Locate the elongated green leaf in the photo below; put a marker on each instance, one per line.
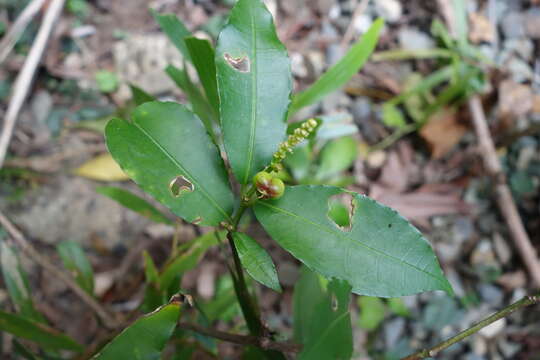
(140, 96)
(336, 156)
(324, 323)
(256, 261)
(175, 30)
(254, 84)
(36, 332)
(76, 261)
(145, 338)
(341, 72)
(188, 260)
(135, 203)
(23, 352)
(382, 254)
(168, 153)
(203, 57)
(199, 104)
(16, 282)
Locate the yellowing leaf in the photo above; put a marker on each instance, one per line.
(102, 168)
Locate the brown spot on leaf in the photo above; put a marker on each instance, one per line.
(238, 63)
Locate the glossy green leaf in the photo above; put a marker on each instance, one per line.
(256, 261)
(175, 30)
(382, 254)
(36, 332)
(16, 282)
(321, 317)
(203, 57)
(337, 156)
(372, 312)
(254, 85)
(75, 260)
(199, 104)
(135, 203)
(340, 73)
(189, 259)
(140, 96)
(169, 154)
(145, 338)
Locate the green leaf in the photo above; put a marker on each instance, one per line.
(39, 333)
(337, 156)
(339, 213)
(299, 161)
(175, 30)
(150, 269)
(16, 282)
(200, 105)
(168, 153)
(340, 73)
(145, 338)
(254, 84)
(321, 318)
(76, 262)
(135, 203)
(107, 81)
(188, 260)
(23, 352)
(203, 56)
(256, 261)
(372, 312)
(140, 96)
(392, 116)
(382, 255)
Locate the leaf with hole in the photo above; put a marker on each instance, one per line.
(135, 203)
(36, 332)
(254, 85)
(256, 261)
(16, 283)
(322, 322)
(164, 143)
(340, 73)
(145, 338)
(75, 260)
(382, 254)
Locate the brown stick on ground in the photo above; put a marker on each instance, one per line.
(107, 319)
(506, 203)
(25, 77)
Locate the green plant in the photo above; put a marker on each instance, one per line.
(174, 154)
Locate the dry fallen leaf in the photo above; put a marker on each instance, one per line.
(418, 206)
(102, 168)
(481, 29)
(514, 99)
(442, 132)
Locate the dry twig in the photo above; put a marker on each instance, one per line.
(106, 318)
(16, 30)
(506, 203)
(24, 79)
(360, 8)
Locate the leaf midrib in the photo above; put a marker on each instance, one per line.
(183, 169)
(339, 235)
(254, 94)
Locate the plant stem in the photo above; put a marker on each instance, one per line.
(260, 342)
(404, 54)
(432, 352)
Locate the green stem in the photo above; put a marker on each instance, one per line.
(432, 352)
(404, 54)
(392, 138)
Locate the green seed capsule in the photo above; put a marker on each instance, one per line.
(268, 186)
(276, 189)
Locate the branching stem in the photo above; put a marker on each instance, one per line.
(432, 352)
